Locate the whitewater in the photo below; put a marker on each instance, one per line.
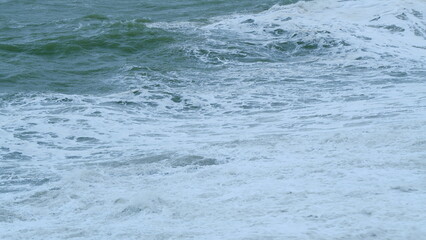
(288, 120)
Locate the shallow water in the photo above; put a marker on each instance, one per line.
(213, 119)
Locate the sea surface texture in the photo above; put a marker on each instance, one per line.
(213, 119)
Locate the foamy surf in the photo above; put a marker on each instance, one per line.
(301, 121)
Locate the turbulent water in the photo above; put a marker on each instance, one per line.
(213, 119)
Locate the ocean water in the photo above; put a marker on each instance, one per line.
(213, 119)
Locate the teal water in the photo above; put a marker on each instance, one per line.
(73, 47)
(211, 119)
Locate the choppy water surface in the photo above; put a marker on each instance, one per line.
(213, 119)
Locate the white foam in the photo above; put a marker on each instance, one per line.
(278, 150)
(390, 31)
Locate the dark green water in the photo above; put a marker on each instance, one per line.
(74, 47)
